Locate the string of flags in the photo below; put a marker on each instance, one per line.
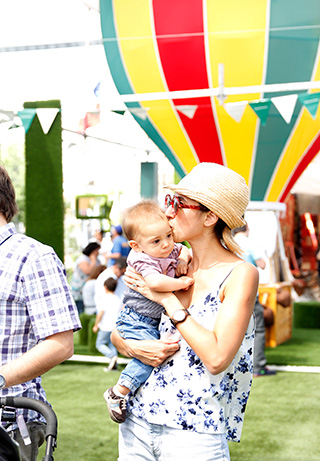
(46, 117)
(285, 105)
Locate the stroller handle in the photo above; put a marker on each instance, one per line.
(33, 404)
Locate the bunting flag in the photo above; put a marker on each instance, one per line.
(140, 112)
(236, 109)
(90, 119)
(120, 112)
(188, 110)
(6, 116)
(285, 105)
(261, 108)
(46, 118)
(27, 116)
(310, 102)
(97, 90)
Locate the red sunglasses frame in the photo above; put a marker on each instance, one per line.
(176, 204)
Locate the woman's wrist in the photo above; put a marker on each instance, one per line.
(171, 303)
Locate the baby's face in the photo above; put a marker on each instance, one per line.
(156, 239)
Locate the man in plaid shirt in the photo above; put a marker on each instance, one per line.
(38, 316)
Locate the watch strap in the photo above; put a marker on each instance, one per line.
(176, 322)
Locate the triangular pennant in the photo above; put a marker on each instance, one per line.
(46, 117)
(188, 111)
(6, 116)
(261, 108)
(27, 116)
(140, 112)
(285, 105)
(120, 112)
(311, 102)
(236, 109)
(97, 90)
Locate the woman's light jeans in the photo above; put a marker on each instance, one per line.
(140, 440)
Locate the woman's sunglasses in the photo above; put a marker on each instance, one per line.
(176, 204)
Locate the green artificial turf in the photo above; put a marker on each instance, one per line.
(302, 349)
(281, 421)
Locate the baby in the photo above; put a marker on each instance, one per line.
(158, 259)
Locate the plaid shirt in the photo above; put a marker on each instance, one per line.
(35, 302)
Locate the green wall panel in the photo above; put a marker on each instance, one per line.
(44, 189)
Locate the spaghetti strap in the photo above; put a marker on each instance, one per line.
(236, 265)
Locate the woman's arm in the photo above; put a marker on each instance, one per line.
(150, 352)
(215, 348)
(87, 266)
(161, 282)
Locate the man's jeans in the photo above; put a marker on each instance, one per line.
(141, 440)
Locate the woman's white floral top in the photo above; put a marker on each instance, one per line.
(181, 393)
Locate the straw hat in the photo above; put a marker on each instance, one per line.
(218, 188)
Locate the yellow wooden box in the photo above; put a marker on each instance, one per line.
(281, 330)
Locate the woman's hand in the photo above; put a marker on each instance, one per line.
(150, 352)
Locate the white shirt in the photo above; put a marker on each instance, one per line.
(111, 309)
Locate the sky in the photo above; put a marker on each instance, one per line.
(71, 75)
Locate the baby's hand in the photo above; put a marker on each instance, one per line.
(187, 282)
(182, 267)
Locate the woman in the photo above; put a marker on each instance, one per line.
(89, 289)
(194, 401)
(85, 264)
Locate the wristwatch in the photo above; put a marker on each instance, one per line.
(179, 316)
(2, 382)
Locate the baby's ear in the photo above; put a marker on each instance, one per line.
(135, 246)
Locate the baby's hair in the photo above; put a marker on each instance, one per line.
(110, 284)
(138, 215)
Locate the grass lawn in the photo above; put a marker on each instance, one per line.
(281, 422)
(302, 349)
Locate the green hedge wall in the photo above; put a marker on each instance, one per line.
(306, 314)
(44, 190)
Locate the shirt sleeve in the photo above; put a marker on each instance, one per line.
(145, 265)
(48, 296)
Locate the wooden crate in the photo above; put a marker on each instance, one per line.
(281, 330)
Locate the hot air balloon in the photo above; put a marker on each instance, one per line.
(231, 82)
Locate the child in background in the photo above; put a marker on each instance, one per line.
(158, 259)
(105, 323)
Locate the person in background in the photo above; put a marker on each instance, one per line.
(38, 317)
(105, 323)
(252, 255)
(84, 266)
(120, 246)
(194, 401)
(88, 291)
(104, 240)
(116, 271)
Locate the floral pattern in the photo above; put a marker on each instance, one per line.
(181, 393)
